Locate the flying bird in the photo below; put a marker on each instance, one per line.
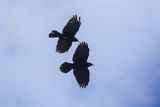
(79, 65)
(68, 34)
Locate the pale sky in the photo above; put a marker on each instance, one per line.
(123, 37)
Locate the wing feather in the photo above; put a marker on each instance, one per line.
(63, 45)
(81, 54)
(72, 26)
(82, 76)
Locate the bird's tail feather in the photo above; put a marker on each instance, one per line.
(54, 34)
(66, 67)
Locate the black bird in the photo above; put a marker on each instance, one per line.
(68, 34)
(79, 65)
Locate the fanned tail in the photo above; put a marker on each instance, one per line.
(66, 67)
(54, 34)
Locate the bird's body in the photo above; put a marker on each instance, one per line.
(67, 36)
(79, 65)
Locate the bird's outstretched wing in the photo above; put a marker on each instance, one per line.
(81, 54)
(82, 76)
(72, 26)
(63, 45)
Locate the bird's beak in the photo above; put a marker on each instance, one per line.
(78, 41)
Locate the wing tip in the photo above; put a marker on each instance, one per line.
(83, 44)
(83, 85)
(76, 18)
(61, 51)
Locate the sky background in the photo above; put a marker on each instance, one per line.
(124, 41)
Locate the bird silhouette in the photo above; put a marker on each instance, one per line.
(79, 65)
(68, 34)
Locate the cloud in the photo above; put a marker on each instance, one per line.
(123, 37)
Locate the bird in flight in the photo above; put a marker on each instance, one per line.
(68, 34)
(79, 65)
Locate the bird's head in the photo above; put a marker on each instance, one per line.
(89, 64)
(75, 40)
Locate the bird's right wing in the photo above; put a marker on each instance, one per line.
(63, 46)
(82, 76)
(82, 52)
(72, 26)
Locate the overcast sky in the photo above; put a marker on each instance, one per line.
(124, 41)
